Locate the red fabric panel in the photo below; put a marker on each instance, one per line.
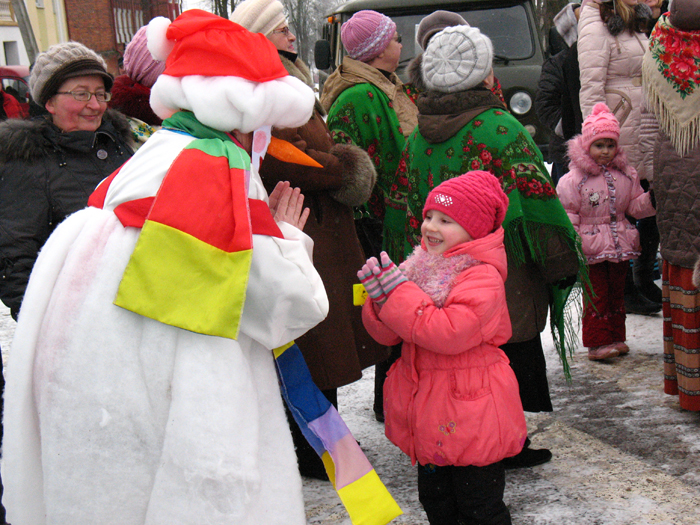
(215, 212)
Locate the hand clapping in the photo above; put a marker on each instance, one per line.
(286, 204)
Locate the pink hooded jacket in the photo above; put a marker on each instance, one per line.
(597, 200)
(452, 398)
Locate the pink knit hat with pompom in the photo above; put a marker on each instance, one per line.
(474, 200)
(600, 124)
(139, 65)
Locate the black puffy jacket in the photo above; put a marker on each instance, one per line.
(45, 175)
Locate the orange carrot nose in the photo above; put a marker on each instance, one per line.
(286, 152)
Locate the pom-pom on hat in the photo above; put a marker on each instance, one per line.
(600, 124)
(139, 64)
(367, 34)
(474, 200)
(457, 58)
(436, 22)
(61, 62)
(259, 16)
(227, 76)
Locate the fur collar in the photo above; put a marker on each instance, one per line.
(566, 24)
(434, 274)
(29, 140)
(581, 159)
(415, 77)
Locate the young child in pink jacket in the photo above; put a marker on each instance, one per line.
(451, 401)
(597, 194)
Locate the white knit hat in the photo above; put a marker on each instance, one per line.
(458, 58)
(259, 16)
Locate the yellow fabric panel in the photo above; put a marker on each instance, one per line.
(368, 501)
(176, 279)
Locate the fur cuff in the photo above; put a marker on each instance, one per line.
(359, 175)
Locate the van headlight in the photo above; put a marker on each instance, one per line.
(520, 102)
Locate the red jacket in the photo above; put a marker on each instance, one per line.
(11, 106)
(452, 398)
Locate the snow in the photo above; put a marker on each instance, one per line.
(624, 452)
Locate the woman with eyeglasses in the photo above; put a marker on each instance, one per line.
(50, 165)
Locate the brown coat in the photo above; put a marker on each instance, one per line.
(339, 348)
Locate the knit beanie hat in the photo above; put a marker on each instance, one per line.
(259, 16)
(474, 200)
(138, 62)
(61, 62)
(458, 58)
(367, 34)
(230, 78)
(685, 15)
(436, 22)
(600, 124)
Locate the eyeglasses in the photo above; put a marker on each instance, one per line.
(398, 39)
(284, 31)
(85, 96)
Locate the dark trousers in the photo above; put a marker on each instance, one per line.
(604, 313)
(380, 371)
(530, 367)
(463, 495)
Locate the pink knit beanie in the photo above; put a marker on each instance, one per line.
(367, 34)
(139, 65)
(600, 124)
(474, 200)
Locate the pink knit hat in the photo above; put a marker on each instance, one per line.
(474, 200)
(139, 65)
(367, 34)
(600, 124)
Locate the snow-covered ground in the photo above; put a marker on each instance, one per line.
(624, 452)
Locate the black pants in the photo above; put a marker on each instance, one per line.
(528, 362)
(463, 495)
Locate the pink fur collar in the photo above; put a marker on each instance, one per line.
(581, 159)
(434, 274)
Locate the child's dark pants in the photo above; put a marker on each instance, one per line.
(463, 495)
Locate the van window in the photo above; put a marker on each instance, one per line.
(507, 27)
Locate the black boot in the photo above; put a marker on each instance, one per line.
(528, 457)
(644, 266)
(636, 302)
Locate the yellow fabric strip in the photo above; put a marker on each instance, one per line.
(176, 279)
(368, 502)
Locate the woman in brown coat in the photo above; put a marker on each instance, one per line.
(338, 349)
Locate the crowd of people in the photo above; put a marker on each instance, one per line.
(179, 247)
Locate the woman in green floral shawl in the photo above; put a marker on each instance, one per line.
(368, 106)
(462, 126)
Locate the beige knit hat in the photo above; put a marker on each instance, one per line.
(259, 16)
(61, 62)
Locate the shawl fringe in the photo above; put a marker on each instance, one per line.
(684, 133)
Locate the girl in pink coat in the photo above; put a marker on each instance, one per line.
(598, 193)
(451, 401)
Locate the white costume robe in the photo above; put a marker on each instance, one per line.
(115, 418)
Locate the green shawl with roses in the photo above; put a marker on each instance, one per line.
(363, 115)
(495, 141)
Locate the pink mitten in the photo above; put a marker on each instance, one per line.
(368, 278)
(390, 276)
